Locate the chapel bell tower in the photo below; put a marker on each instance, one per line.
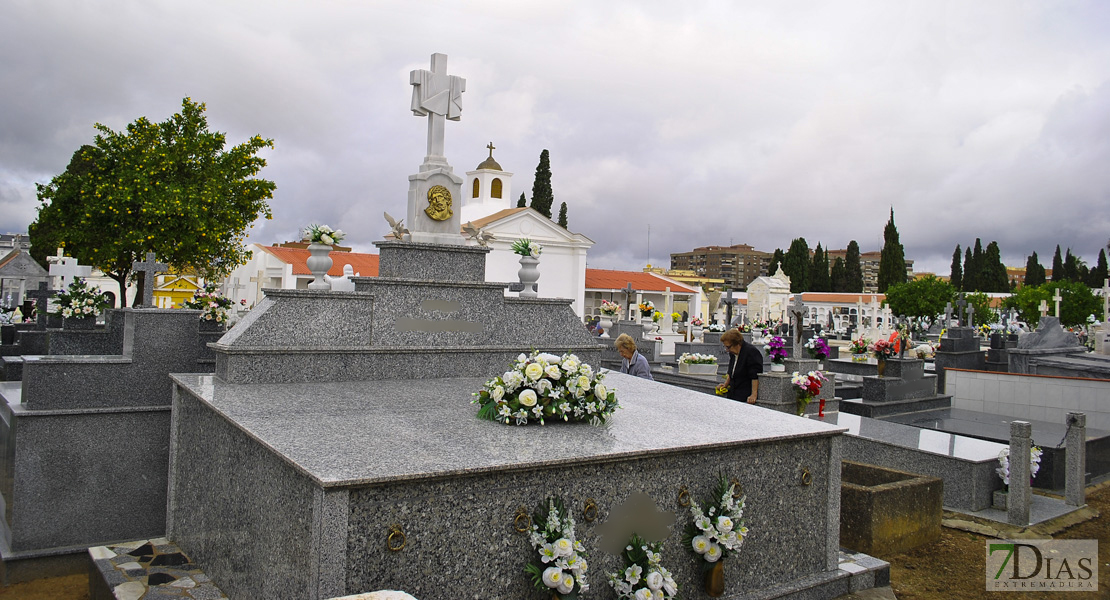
(488, 189)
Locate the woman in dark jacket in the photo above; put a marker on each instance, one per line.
(745, 363)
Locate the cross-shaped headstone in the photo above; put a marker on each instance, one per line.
(729, 302)
(150, 268)
(1044, 308)
(437, 95)
(947, 315)
(960, 304)
(257, 281)
(628, 291)
(971, 315)
(41, 296)
(797, 310)
(1056, 298)
(235, 286)
(66, 269)
(57, 256)
(1106, 301)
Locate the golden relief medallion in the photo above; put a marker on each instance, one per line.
(439, 203)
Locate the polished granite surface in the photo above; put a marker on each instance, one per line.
(350, 433)
(987, 426)
(927, 440)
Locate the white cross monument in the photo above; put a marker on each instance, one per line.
(435, 193)
(1056, 298)
(66, 269)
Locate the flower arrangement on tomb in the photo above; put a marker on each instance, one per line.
(696, 322)
(545, 386)
(692, 358)
(817, 348)
(859, 345)
(79, 300)
(656, 316)
(806, 388)
(717, 327)
(210, 301)
(744, 327)
(1004, 461)
(924, 351)
(646, 308)
(322, 234)
(526, 247)
(562, 562)
(882, 349)
(609, 309)
(776, 348)
(676, 317)
(643, 576)
(717, 530)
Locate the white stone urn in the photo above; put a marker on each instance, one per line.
(697, 331)
(529, 274)
(605, 323)
(778, 368)
(319, 262)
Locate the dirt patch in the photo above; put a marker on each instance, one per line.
(70, 587)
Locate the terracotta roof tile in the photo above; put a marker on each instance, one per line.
(603, 279)
(364, 264)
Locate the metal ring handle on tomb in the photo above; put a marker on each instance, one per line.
(522, 513)
(396, 539)
(683, 496)
(589, 510)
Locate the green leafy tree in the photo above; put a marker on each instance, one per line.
(563, 215)
(852, 268)
(956, 278)
(838, 276)
(923, 297)
(776, 261)
(1098, 275)
(1077, 302)
(819, 271)
(796, 264)
(1027, 302)
(542, 196)
(1034, 272)
(984, 314)
(892, 265)
(170, 188)
(1058, 266)
(523, 202)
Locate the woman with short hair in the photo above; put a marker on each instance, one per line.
(634, 363)
(745, 363)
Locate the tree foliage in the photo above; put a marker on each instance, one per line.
(563, 215)
(922, 297)
(853, 270)
(892, 265)
(796, 264)
(776, 261)
(523, 202)
(984, 314)
(993, 273)
(169, 188)
(819, 271)
(542, 196)
(1076, 304)
(956, 276)
(1098, 275)
(838, 276)
(1057, 265)
(1034, 272)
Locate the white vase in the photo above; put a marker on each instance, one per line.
(319, 262)
(605, 323)
(777, 368)
(697, 333)
(528, 274)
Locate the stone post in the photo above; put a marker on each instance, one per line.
(1020, 495)
(1075, 493)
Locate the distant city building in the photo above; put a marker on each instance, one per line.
(736, 265)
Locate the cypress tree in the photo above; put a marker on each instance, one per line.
(1071, 267)
(563, 215)
(838, 277)
(523, 202)
(542, 196)
(796, 263)
(1034, 272)
(819, 272)
(969, 273)
(853, 271)
(892, 264)
(956, 278)
(776, 261)
(1057, 266)
(1098, 275)
(978, 277)
(996, 280)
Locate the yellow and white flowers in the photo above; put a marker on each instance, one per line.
(545, 386)
(79, 300)
(719, 530)
(562, 565)
(644, 577)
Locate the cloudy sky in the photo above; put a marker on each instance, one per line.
(707, 122)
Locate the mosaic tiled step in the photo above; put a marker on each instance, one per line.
(147, 570)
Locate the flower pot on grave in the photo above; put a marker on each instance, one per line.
(778, 368)
(859, 358)
(697, 369)
(605, 323)
(697, 332)
(85, 322)
(882, 367)
(715, 580)
(529, 274)
(319, 262)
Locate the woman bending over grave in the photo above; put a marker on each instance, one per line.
(634, 363)
(745, 363)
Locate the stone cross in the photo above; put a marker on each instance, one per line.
(150, 268)
(257, 281)
(66, 270)
(1056, 298)
(438, 96)
(796, 311)
(729, 302)
(235, 286)
(947, 315)
(668, 306)
(1106, 301)
(1044, 308)
(628, 291)
(57, 256)
(41, 295)
(859, 311)
(960, 304)
(970, 315)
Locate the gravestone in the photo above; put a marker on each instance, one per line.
(959, 349)
(150, 268)
(1049, 340)
(904, 388)
(66, 269)
(777, 392)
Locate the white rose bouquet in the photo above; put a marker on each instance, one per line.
(644, 577)
(544, 386)
(717, 530)
(79, 300)
(1004, 460)
(526, 247)
(322, 234)
(562, 562)
(693, 358)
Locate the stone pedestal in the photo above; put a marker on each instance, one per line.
(776, 391)
(1020, 494)
(959, 349)
(904, 388)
